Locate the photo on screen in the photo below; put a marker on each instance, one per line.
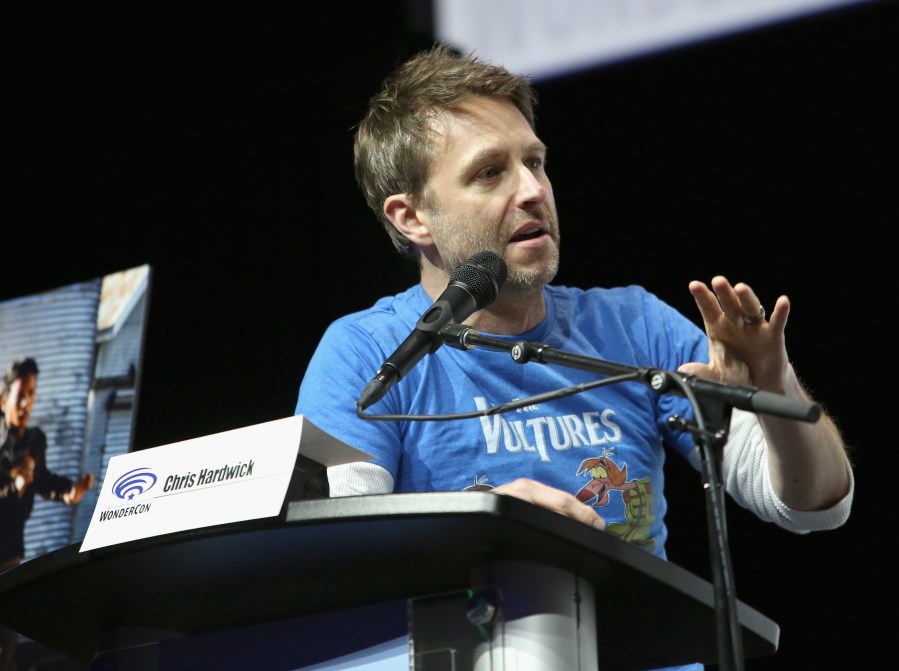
(87, 341)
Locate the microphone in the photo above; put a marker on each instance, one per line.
(472, 286)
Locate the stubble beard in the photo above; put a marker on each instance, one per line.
(469, 239)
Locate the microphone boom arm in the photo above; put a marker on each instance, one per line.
(662, 381)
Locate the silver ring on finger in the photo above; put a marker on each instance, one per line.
(752, 320)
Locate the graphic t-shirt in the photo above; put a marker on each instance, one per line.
(605, 445)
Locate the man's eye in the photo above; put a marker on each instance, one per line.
(488, 173)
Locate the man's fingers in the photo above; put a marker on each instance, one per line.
(552, 499)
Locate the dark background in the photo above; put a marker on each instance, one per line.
(215, 143)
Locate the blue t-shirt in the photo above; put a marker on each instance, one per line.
(604, 445)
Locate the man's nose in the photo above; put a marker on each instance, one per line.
(530, 188)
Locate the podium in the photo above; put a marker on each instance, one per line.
(332, 577)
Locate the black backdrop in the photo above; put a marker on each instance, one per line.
(215, 145)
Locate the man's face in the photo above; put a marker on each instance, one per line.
(20, 400)
(488, 190)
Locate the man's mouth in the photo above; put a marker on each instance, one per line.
(528, 234)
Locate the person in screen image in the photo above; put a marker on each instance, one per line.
(24, 474)
(448, 159)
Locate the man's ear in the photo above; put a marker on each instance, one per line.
(410, 220)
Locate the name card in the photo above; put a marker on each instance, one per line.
(225, 477)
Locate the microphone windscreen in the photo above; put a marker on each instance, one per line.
(484, 274)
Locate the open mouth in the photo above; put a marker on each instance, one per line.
(528, 235)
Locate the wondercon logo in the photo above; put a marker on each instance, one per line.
(134, 483)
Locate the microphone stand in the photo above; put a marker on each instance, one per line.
(712, 404)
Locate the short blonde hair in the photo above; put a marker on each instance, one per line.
(393, 143)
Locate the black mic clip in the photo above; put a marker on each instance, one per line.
(434, 321)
